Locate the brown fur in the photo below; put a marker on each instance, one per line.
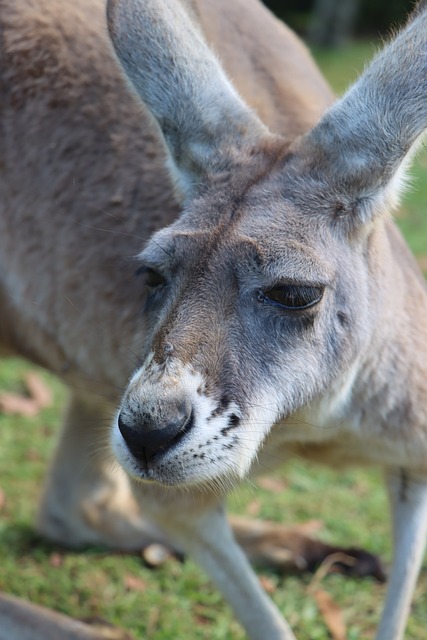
(64, 106)
(86, 178)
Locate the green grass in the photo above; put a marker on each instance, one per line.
(177, 601)
(343, 66)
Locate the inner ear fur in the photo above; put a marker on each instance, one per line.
(165, 56)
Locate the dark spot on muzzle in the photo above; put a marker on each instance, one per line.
(233, 423)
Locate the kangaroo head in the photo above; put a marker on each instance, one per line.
(266, 290)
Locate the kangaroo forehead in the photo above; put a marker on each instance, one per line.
(271, 250)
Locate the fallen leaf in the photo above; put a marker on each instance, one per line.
(56, 560)
(331, 614)
(13, 404)
(133, 583)
(268, 584)
(28, 406)
(38, 390)
(328, 566)
(271, 484)
(253, 508)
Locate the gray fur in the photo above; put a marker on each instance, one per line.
(164, 42)
(87, 184)
(359, 148)
(314, 214)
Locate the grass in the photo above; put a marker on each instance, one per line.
(351, 505)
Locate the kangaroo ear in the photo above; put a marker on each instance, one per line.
(358, 153)
(178, 77)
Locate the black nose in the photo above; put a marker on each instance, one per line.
(146, 438)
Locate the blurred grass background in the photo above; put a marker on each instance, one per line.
(351, 505)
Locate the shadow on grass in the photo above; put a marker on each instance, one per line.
(20, 540)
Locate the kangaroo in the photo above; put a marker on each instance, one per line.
(274, 291)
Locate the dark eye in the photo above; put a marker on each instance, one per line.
(152, 278)
(291, 296)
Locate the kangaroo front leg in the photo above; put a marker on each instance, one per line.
(408, 498)
(87, 499)
(205, 534)
(215, 549)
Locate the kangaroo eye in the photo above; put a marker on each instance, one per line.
(152, 278)
(290, 296)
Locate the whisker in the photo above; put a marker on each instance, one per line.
(160, 247)
(108, 213)
(114, 231)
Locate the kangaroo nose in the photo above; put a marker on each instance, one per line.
(147, 437)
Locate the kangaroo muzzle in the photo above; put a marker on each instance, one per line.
(149, 433)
